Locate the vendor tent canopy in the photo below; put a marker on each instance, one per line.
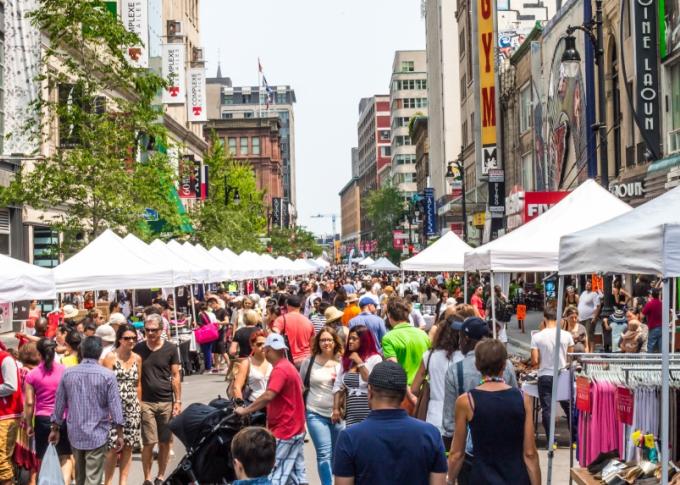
(383, 264)
(367, 261)
(107, 263)
(181, 272)
(645, 240)
(445, 254)
(219, 270)
(322, 262)
(175, 252)
(304, 267)
(22, 281)
(535, 245)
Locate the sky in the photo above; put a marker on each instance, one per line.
(332, 53)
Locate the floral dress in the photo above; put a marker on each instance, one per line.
(132, 411)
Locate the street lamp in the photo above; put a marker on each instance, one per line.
(452, 176)
(231, 190)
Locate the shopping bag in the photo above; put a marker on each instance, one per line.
(50, 470)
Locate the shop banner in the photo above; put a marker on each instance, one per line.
(497, 193)
(174, 72)
(624, 405)
(536, 203)
(430, 213)
(204, 182)
(583, 394)
(486, 43)
(197, 104)
(276, 212)
(648, 94)
(186, 178)
(285, 214)
(197, 179)
(135, 17)
(398, 240)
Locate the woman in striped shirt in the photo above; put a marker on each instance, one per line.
(317, 316)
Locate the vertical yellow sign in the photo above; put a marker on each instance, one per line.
(487, 83)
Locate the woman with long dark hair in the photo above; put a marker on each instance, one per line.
(40, 390)
(128, 369)
(253, 371)
(360, 356)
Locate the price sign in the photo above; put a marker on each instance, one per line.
(583, 394)
(624, 405)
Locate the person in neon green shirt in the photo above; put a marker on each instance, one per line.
(404, 343)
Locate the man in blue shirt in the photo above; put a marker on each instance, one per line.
(389, 447)
(370, 320)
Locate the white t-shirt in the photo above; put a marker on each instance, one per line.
(587, 303)
(544, 341)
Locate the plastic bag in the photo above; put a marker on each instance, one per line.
(50, 470)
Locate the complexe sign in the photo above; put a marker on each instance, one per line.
(134, 14)
(647, 72)
(430, 213)
(487, 84)
(197, 105)
(173, 70)
(536, 203)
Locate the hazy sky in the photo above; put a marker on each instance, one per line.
(332, 53)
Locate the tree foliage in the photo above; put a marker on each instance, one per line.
(223, 223)
(105, 169)
(294, 243)
(385, 208)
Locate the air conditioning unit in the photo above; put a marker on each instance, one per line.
(175, 28)
(197, 55)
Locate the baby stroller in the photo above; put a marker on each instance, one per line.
(206, 432)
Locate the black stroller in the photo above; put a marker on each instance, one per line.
(206, 432)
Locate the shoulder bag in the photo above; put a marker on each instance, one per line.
(289, 352)
(306, 380)
(206, 333)
(420, 411)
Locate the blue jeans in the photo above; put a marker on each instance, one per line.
(323, 433)
(654, 340)
(207, 355)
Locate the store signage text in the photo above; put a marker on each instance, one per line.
(197, 97)
(647, 71)
(487, 85)
(514, 207)
(173, 69)
(628, 189)
(134, 14)
(536, 203)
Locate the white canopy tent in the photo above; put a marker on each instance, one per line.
(181, 272)
(287, 267)
(383, 264)
(367, 261)
(107, 263)
(534, 246)
(215, 270)
(221, 270)
(304, 267)
(445, 254)
(22, 281)
(322, 262)
(644, 240)
(174, 250)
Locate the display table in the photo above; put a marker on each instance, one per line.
(581, 476)
(563, 385)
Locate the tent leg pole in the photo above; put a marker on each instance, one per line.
(174, 310)
(465, 287)
(556, 378)
(665, 359)
(193, 303)
(493, 305)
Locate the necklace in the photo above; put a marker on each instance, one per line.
(490, 379)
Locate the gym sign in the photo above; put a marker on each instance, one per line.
(628, 190)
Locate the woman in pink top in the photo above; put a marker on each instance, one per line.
(40, 389)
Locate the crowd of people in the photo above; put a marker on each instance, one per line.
(385, 376)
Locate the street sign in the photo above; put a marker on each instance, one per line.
(150, 215)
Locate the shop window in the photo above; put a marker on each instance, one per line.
(256, 145)
(45, 247)
(4, 232)
(525, 108)
(244, 145)
(674, 132)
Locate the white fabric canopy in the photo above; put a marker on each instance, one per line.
(445, 254)
(22, 281)
(383, 264)
(645, 240)
(107, 263)
(175, 251)
(367, 261)
(218, 270)
(322, 262)
(535, 245)
(181, 272)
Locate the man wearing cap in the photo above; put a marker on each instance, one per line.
(298, 328)
(285, 413)
(108, 336)
(370, 320)
(389, 447)
(351, 310)
(464, 376)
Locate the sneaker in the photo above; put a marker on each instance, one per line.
(147, 482)
(158, 481)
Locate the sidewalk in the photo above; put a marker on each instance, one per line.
(523, 340)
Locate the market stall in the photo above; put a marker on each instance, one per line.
(22, 281)
(383, 264)
(445, 254)
(644, 240)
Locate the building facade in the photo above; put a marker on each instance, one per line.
(408, 97)
(420, 136)
(350, 214)
(234, 102)
(257, 142)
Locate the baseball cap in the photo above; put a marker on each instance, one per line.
(455, 324)
(366, 300)
(388, 375)
(475, 328)
(275, 341)
(106, 333)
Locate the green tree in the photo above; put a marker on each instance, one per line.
(219, 220)
(294, 243)
(385, 208)
(105, 170)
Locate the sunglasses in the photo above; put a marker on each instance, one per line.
(128, 339)
(152, 330)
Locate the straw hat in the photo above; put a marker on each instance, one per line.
(332, 314)
(352, 297)
(70, 311)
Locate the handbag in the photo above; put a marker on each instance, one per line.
(207, 333)
(306, 380)
(420, 411)
(289, 353)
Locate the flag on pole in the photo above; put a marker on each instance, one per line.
(259, 65)
(269, 92)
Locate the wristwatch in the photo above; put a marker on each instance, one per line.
(363, 364)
